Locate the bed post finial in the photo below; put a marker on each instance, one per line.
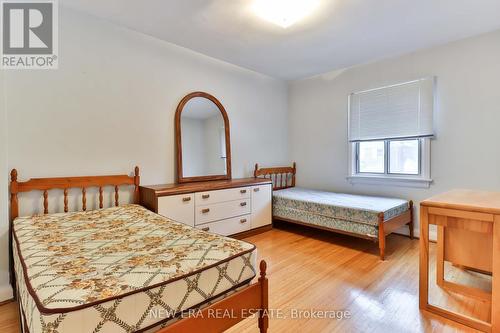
(13, 175)
(255, 170)
(263, 268)
(14, 213)
(137, 182)
(264, 297)
(14, 206)
(294, 166)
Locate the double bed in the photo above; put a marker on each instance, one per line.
(361, 216)
(125, 268)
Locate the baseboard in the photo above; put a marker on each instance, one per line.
(6, 293)
(252, 232)
(432, 234)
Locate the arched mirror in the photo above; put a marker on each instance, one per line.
(202, 135)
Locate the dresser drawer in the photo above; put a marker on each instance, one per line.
(222, 210)
(210, 197)
(179, 208)
(229, 226)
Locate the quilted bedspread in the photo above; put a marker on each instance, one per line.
(347, 207)
(98, 260)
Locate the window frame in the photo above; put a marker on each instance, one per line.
(358, 167)
(387, 158)
(422, 179)
(388, 161)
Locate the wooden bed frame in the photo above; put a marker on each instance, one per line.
(284, 177)
(252, 298)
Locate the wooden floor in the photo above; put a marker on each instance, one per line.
(312, 269)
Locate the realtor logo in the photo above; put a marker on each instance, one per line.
(29, 34)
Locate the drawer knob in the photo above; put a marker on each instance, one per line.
(186, 199)
(206, 229)
(205, 210)
(256, 189)
(243, 204)
(243, 191)
(205, 196)
(243, 220)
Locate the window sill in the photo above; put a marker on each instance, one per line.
(391, 181)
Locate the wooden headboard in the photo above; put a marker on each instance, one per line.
(65, 183)
(282, 177)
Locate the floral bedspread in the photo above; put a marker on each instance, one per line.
(75, 260)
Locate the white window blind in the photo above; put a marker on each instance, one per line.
(399, 111)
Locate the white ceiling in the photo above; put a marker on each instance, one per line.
(342, 33)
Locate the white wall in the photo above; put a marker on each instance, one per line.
(5, 290)
(466, 151)
(111, 106)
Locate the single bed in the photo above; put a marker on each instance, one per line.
(125, 268)
(367, 217)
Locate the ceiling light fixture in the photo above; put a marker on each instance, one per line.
(284, 12)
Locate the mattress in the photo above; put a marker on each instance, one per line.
(121, 269)
(348, 212)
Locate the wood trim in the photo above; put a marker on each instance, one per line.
(252, 232)
(452, 222)
(461, 214)
(10, 300)
(397, 222)
(440, 256)
(468, 321)
(495, 307)
(281, 177)
(42, 184)
(466, 200)
(470, 291)
(178, 138)
(174, 189)
(472, 269)
(424, 258)
(239, 305)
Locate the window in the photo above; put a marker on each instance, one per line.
(404, 157)
(371, 157)
(389, 133)
(398, 157)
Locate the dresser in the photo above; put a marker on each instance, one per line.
(468, 237)
(236, 207)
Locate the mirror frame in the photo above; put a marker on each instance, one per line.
(178, 140)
